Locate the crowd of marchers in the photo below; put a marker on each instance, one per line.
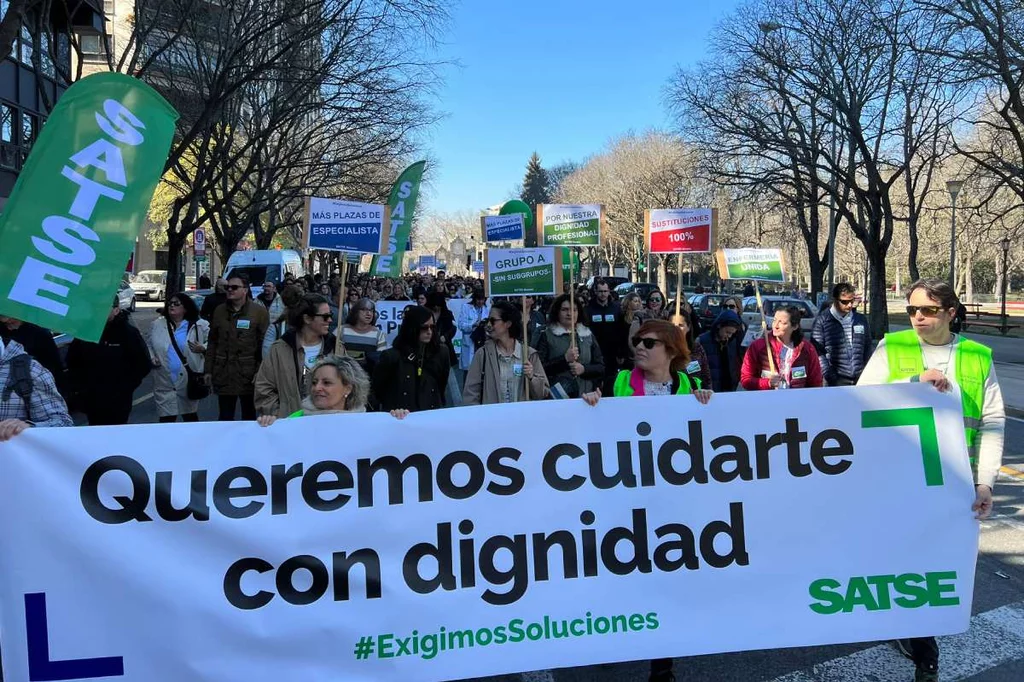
(296, 349)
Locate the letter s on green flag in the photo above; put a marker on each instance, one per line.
(402, 204)
(71, 222)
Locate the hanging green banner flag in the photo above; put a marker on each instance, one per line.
(402, 204)
(570, 264)
(71, 222)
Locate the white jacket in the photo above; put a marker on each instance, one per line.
(160, 342)
(469, 316)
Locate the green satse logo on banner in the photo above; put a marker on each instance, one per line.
(71, 222)
(402, 204)
(571, 225)
(521, 272)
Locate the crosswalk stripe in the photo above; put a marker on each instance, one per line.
(995, 637)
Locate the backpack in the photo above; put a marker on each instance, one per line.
(20, 381)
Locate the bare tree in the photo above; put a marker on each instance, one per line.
(984, 46)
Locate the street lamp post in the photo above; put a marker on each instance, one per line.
(953, 187)
(1005, 243)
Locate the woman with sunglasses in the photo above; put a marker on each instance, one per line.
(177, 342)
(573, 369)
(661, 357)
(796, 360)
(281, 380)
(497, 371)
(413, 374)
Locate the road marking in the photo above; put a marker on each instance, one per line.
(1012, 473)
(538, 676)
(1015, 419)
(139, 401)
(995, 637)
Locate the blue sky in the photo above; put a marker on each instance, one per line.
(561, 77)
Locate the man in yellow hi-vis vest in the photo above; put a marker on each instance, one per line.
(931, 353)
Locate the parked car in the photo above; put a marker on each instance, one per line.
(126, 296)
(640, 288)
(613, 282)
(707, 307)
(150, 285)
(752, 316)
(198, 295)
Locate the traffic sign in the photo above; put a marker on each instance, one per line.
(200, 242)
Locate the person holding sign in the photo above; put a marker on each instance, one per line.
(931, 353)
(496, 374)
(794, 362)
(413, 374)
(572, 369)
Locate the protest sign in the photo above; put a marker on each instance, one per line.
(71, 221)
(763, 265)
(680, 230)
(334, 225)
(402, 208)
(502, 228)
(569, 224)
(389, 318)
(424, 550)
(478, 267)
(521, 272)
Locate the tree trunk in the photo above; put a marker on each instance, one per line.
(969, 278)
(878, 315)
(915, 274)
(175, 249)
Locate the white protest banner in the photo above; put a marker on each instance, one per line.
(425, 550)
(502, 228)
(522, 272)
(334, 225)
(680, 230)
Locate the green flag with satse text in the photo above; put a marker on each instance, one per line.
(402, 205)
(71, 222)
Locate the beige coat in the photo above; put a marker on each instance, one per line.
(280, 382)
(482, 378)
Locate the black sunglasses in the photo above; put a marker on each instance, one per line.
(926, 310)
(730, 306)
(233, 287)
(847, 301)
(427, 327)
(326, 317)
(645, 341)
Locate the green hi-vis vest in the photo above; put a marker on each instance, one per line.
(973, 364)
(625, 386)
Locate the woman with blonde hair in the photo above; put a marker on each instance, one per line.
(337, 385)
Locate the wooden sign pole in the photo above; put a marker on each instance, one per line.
(526, 351)
(339, 347)
(764, 329)
(677, 319)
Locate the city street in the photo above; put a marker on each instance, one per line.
(992, 651)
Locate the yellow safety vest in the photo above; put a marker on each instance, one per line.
(973, 364)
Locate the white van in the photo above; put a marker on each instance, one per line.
(261, 266)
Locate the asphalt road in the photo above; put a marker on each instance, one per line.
(992, 651)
